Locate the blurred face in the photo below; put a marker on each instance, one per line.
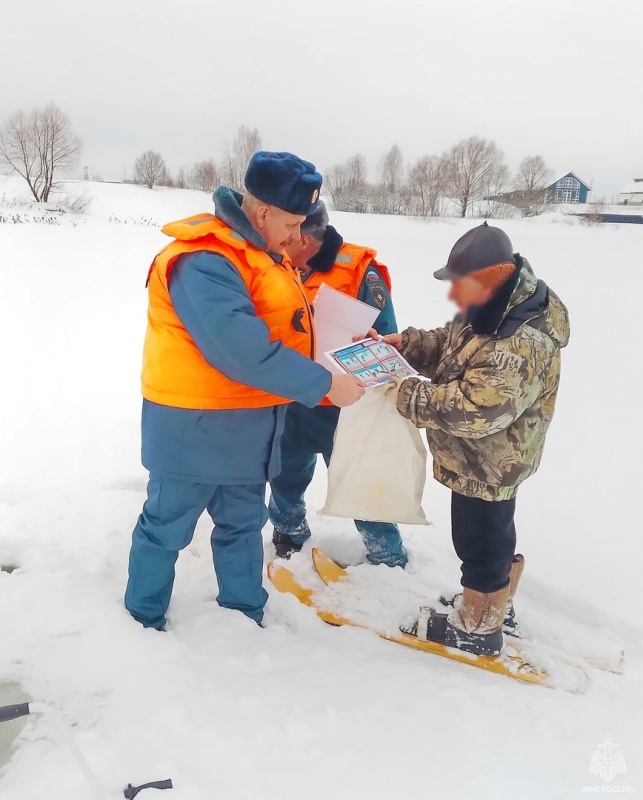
(299, 252)
(466, 292)
(279, 228)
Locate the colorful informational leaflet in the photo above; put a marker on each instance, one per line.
(372, 361)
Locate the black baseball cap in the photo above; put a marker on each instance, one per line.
(484, 246)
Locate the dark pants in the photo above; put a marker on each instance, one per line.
(309, 432)
(484, 537)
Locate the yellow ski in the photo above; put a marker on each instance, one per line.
(510, 662)
(330, 572)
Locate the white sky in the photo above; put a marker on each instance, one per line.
(328, 78)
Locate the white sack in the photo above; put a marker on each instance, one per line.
(378, 467)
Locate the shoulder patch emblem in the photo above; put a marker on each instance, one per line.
(372, 276)
(378, 294)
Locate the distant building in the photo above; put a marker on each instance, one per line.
(569, 188)
(632, 194)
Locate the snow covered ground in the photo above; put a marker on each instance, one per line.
(299, 709)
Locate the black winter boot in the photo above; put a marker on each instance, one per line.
(439, 629)
(284, 545)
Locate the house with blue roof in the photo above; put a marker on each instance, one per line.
(569, 188)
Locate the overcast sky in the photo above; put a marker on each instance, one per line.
(328, 78)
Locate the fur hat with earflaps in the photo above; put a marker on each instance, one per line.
(285, 181)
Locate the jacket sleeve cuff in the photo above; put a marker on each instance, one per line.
(413, 401)
(323, 385)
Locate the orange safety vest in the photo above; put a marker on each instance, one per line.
(175, 373)
(346, 275)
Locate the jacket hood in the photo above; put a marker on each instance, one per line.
(524, 299)
(534, 302)
(557, 320)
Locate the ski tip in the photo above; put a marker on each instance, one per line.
(615, 664)
(285, 581)
(327, 569)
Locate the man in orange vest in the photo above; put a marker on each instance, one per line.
(229, 344)
(323, 257)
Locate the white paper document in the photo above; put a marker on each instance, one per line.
(338, 318)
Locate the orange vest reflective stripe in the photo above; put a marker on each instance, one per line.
(347, 273)
(175, 373)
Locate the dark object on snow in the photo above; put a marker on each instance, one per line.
(625, 219)
(17, 710)
(284, 545)
(484, 246)
(132, 791)
(8, 713)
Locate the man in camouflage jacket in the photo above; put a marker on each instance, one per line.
(494, 373)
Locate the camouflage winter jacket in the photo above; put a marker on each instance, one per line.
(494, 378)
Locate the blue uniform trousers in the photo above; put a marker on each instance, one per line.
(166, 526)
(307, 433)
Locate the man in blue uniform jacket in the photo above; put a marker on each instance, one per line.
(228, 345)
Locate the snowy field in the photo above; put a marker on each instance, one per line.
(300, 710)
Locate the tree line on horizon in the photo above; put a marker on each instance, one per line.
(42, 144)
(472, 171)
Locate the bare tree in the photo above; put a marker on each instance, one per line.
(472, 167)
(336, 181)
(392, 174)
(531, 193)
(348, 185)
(386, 196)
(38, 146)
(494, 195)
(167, 179)
(596, 213)
(426, 186)
(150, 169)
(181, 179)
(204, 176)
(357, 175)
(235, 163)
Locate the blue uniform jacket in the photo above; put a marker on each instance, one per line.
(240, 446)
(372, 284)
